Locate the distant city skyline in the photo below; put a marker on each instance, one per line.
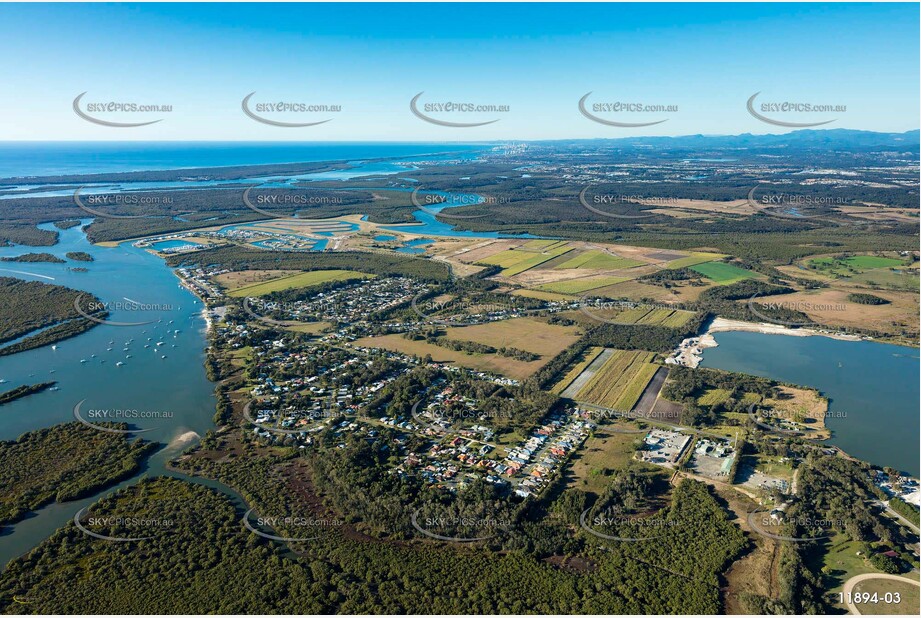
(532, 65)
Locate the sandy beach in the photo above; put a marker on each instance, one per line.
(690, 351)
(723, 325)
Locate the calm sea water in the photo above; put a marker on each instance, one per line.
(873, 388)
(46, 158)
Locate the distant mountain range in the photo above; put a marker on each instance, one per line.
(848, 139)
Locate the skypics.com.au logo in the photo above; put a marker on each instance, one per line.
(288, 198)
(613, 113)
(118, 415)
(792, 206)
(616, 519)
(454, 528)
(783, 112)
(272, 112)
(118, 528)
(309, 528)
(599, 203)
(91, 309)
(438, 112)
(104, 112)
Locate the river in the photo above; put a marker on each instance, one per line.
(173, 388)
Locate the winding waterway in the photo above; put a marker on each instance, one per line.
(166, 382)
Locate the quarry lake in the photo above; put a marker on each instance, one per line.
(872, 387)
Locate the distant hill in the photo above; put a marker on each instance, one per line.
(806, 139)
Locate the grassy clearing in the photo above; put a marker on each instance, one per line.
(713, 397)
(599, 260)
(310, 328)
(506, 258)
(587, 357)
(535, 260)
(300, 280)
(724, 273)
(541, 245)
(907, 594)
(695, 258)
(604, 451)
(888, 278)
(854, 264)
(541, 295)
(643, 315)
(620, 381)
(575, 286)
(530, 334)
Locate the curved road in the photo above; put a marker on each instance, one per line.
(849, 586)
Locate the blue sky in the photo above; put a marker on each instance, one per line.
(371, 59)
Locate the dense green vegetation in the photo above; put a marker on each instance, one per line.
(80, 256)
(724, 301)
(866, 299)
(23, 391)
(244, 258)
(908, 511)
(53, 334)
(62, 463)
(34, 257)
(29, 306)
(66, 224)
(339, 573)
(686, 385)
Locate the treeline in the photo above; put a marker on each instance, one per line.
(643, 336)
(866, 299)
(723, 300)
(64, 462)
(472, 347)
(23, 391)
(58, 332)
(80, 256)
(34, 257)
(30, 306)
(191, 567)
(908, 511)
(246, 258)
(686, 385)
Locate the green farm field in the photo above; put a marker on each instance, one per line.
(724, 273)
(621, 380)
(300, 280)
(598, 260)
(576, 286)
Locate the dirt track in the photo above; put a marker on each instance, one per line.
(849, 586)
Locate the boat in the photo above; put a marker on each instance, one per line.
(127, 356)
(164, 356)
(82, 360)
(54, 347)
(119, 364)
